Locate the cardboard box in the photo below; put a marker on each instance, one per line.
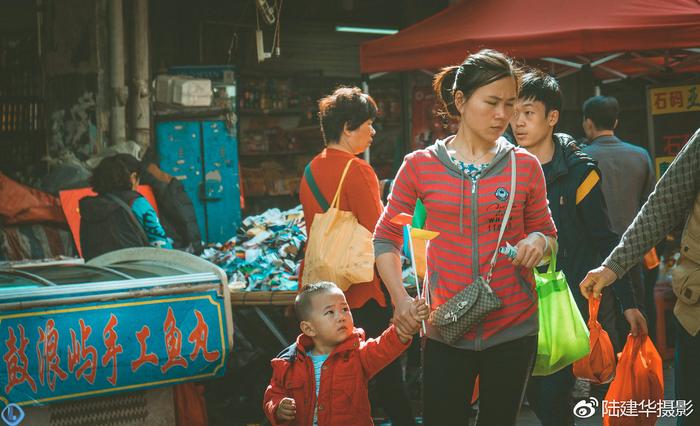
(192, 92)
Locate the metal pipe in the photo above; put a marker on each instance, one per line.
(271, 326)
(119, 90)
(613, 72)
(606, 59)
(571, 64)
(377, 75)
(140, 108)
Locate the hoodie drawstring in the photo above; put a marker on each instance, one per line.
(461, 203)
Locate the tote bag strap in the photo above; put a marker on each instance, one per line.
(320, 199)
(336, 200)
(132, 218)
(506, 216)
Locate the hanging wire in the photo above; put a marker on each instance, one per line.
(276, 38)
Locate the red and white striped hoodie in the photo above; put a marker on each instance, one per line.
(468, 216)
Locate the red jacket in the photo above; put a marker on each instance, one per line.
(342, 399)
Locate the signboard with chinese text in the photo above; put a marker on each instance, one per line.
(674, 115)
(83, 350)
(662, 164)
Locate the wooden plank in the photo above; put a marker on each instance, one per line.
(262, 298)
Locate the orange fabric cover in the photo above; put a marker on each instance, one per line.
(531, 30)
(70, 200)
(22, 204)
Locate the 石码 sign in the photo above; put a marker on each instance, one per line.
(673, 116)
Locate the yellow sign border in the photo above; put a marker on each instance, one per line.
(659, 160)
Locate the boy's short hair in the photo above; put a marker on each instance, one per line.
(602, 110)
(539, 86)
(303, 301)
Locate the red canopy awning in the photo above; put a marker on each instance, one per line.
(528, 29)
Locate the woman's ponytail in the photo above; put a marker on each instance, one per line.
(443, 85)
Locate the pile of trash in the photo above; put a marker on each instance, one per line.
(265, 253)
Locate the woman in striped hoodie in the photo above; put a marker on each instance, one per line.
(464, 182)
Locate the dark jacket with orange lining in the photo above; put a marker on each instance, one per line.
(574, 191)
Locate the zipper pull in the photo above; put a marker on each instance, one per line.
(473, 186)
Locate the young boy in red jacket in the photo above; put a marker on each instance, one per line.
(322, 378)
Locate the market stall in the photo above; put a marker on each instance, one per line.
(597, 43)
(617, 39)
(128, 321)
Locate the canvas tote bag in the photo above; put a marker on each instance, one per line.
(339, 249)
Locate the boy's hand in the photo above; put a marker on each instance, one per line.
(422, 310)
(287, 410)
(404, 336)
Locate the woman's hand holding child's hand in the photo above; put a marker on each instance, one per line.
(420, 311)
(287, 410)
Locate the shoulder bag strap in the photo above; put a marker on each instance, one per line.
(320, 199)
(506, 216)
(336, 200)
(122, 204)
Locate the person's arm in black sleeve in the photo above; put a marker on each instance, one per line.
(593, 212)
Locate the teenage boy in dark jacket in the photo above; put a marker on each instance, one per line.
(579, 212)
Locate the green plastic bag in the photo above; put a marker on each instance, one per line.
(563, 336)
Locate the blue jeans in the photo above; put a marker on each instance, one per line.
(687, 373)
(549, 397)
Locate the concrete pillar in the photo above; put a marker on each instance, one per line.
(119, 90)
(140, 99)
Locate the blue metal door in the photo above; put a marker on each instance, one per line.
(221, 185)
(180, 152)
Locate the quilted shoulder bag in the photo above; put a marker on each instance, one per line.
(464, 310)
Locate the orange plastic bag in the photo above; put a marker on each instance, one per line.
(70, 200)
(599, 365)
(639, 377)
(651, 259)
